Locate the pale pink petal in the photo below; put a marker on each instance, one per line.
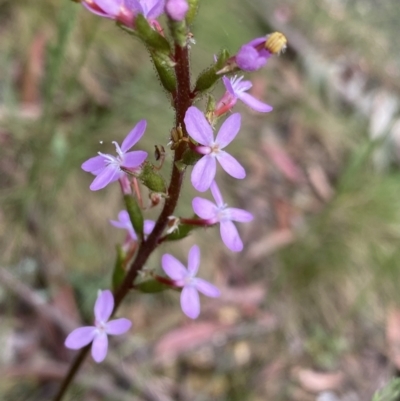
(134, 159)
(194, 260)
(204, 208)
(134, 136)
(228, 86)
(231, 165)
(110, 7)
(243, 86)
(254, 103)
(190, 302)
(80, 337)
(203, 173)
(134, 5)
(230, 236)
(94, 11)
(198, 127)
(104, 306)
(207, 288)
(155, 8)
(118, 326)
(173, 267)
(124, 222)
(240, 215)
(216, 193)
(228, 131)
(100, 347)
(109, 174)
(94, 164)
(148, 226)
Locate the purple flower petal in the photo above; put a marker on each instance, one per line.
(134, 5)
(155, 8)
(173, 267)
(204, 208)
(134, 136)
(248, 59)
(109, 174)
(100, 347)
(110, 7)
(94, 164)
(123, 220)
(194, 260)
(216, 193)
(190, 302)
(80, 337)
(123, 217)
(118, 326)
(230, 165)
(240, 215)
(228, 131)
(92, 10)
(134, 159)
(203, 173)
(207, 288)
(230, 236)
(228, 85)
(198, 127)
(148, 226)
(104, 306)
(254, 103)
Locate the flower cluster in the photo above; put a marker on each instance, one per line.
(193, 140)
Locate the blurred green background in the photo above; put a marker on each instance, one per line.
(309, 310)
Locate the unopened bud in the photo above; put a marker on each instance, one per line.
(177, 9)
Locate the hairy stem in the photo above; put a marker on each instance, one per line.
(182, 102)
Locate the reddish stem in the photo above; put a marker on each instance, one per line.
(182, 101)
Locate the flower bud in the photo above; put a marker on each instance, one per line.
(176, 9)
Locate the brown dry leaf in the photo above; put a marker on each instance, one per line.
(316, 382)
(393, 335)
(283, 162)
(269, 243)
(34, 70)
(64, 301)
(320, 182)
(186, 338)
(251, 295)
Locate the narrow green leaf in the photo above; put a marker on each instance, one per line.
(151, 286)
(135, 214)
(119, 271)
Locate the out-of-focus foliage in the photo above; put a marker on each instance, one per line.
(304, 310)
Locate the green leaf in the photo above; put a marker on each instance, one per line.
(152, 179)
(209, 76)
(135, 214)
(190, 158)
(165, 72)
(182, 232)
(193, 9)
(153, 39)
(119, 271)
(151, 286)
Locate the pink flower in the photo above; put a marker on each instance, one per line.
(107, 168)
(201, 131)
(151, 9)
(224, 215)
(98, 333)
(113, 9)
(125, 223)
(190, 284)
(176, 9)
(236, 89)
(125, 11)
(253, 55)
